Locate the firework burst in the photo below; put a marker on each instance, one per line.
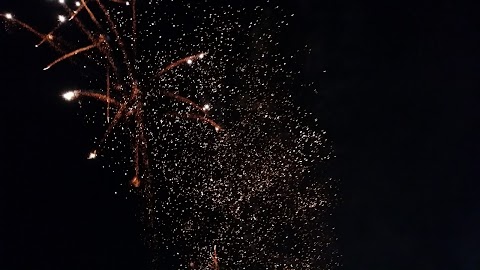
(248, 187)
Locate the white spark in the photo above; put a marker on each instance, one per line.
(70, 95)
(61, 18)
(9, 16)
(92, 155)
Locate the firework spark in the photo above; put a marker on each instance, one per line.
(9, 16)
(61, 19)
(92, 155)
(189, 60)
(214, 265)
(70, 54)
(72, 95)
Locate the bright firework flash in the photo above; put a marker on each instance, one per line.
(219, 151)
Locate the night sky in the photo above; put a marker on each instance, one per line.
(399, 100)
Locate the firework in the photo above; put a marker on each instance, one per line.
(70, 54)
(243, 185)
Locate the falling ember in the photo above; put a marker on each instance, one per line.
(135, 182)
(206, 107)
(77, 4)
(92, 155)
(9, 16)
(70, 95)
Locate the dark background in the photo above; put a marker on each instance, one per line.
(399, 100)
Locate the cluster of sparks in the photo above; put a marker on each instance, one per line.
(130, 102)
(244, 187)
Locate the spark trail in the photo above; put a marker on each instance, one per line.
(70, 54)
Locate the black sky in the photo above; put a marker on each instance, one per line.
(399, 100)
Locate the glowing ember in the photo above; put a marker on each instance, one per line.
(70, 95)
(92, 155)
(135, 182)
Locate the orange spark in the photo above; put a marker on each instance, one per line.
(10, 17)
(68, 55)
(182, 100)
(189, 60)
(135, 181)
(118, 38)
(61, 20)
(198, 118)
(90, 13)
(215, 264)
(97, 96)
